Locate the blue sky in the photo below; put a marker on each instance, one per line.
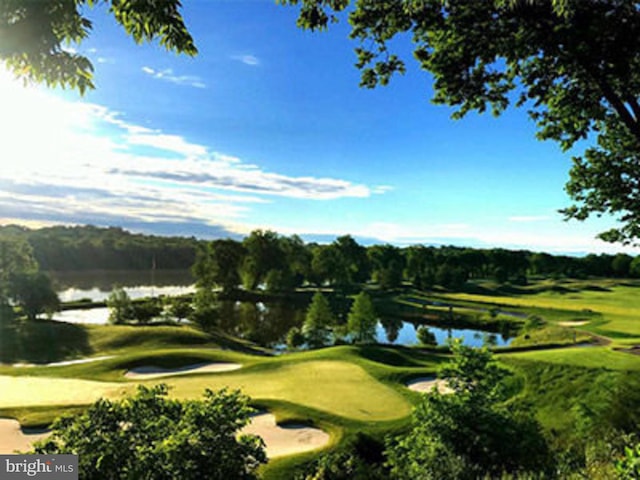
(267, 128)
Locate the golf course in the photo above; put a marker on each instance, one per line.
(317, 400)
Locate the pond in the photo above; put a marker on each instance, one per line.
(268, 323)
(399, 332)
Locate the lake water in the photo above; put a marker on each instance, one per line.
(406, 335)
(92, 316)
(98, 284)
(263, 323)
(268, 325)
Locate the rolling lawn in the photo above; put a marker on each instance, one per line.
(612, 308)
(336, 387)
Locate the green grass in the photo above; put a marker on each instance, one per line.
(336, 387)
(343, 390)
(589, 357)
(46, 341)
(325, 380)
(612, 307)
(556, 381)
(25, 391)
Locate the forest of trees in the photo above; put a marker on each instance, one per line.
(94, 248)
(281, 263)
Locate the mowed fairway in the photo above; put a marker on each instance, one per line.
(336, 387)
(40, 391)
(589, 357)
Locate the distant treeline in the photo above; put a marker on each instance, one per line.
(94, 248)
(282, 262)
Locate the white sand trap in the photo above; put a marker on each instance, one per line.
(426, 384)
(285, 440)
(574, 323)
(151, 371)
(63, 364)
(13, 439)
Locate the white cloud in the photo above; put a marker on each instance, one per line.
(171, 143)
(76, 162)
(247, 59)
(380, 189)
(565, 238)
(169, 76)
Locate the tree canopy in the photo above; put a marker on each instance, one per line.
(149, 436)
(574, 65)
(16, 258)
(34, 294)
(34, 34)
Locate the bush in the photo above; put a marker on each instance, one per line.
(628, 467)
(295, 338)
(534, 322)
(151, 437)
(120, 309)
(146, 310)
(471, 433)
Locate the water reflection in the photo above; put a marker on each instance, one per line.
(258, 322)
(98, 284)
(93, 316)
(407, 335)
(268, 324)
(263, 323)
(392, 327)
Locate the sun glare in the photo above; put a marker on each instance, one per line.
(38, 130)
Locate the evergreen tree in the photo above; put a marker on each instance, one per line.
(362, 320)
(317, 322)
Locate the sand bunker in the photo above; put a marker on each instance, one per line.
(426, 384)
(63, 364)
(156, 372)
(285, 440)
(573, 323)
(13, 438)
